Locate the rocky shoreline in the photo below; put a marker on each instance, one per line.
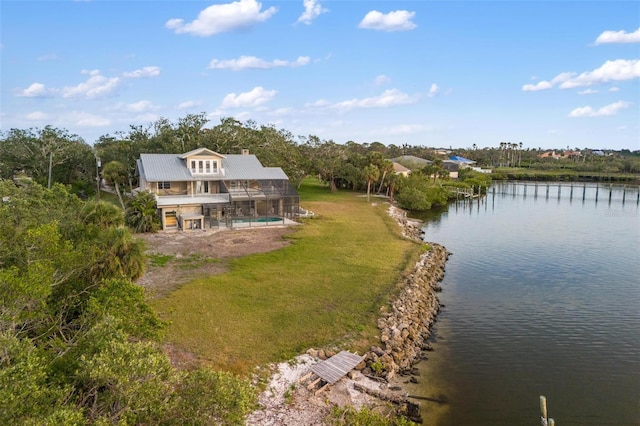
(404, 330)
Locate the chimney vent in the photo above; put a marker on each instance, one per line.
(245, 152)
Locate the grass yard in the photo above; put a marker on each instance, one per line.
(326, 288)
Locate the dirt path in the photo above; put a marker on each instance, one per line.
(178, 257)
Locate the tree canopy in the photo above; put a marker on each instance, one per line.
(79, 341)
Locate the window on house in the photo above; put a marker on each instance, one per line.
(200, 166)
(214, 163)
(164, 185)
(207, 166)
(193, 166)
(202, 187)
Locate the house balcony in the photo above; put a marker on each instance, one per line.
(220, 173)
(190, 199)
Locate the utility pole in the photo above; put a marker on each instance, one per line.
(50, 165)
(98, 164)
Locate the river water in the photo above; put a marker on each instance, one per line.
(542, 297)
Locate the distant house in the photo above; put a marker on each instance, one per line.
(572, 154)
(549, 154)
(399, 169)
(461, 160)
(558, 155)
(452, 167)
(205, 189)
(411, 161)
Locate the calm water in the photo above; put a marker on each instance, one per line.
(542, 297)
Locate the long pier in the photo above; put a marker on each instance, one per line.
(572, 190)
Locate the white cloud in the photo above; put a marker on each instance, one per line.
(382, 79)
(541, 85)
(251, 62)
(281, 112)
(587, 92)
(220, 18)
(433, 90)
(188, 104)
(320, 103)
(312, 9)
(48, 57)
(257, 96)
(140, 106)
(399, 20)
(84, 119)
(90, 72)
(607, 110)
(388, 98)
(619, 37)
(36, 90)
(146, 118)
(143, 72)
(37, 116)
(614, 89)
(616, 70)
(96, 86)
(404, 129)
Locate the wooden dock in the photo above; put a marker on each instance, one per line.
(336, 367)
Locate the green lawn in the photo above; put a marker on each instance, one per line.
(326, 288)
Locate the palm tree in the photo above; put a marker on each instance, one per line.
(120, 255)
(141, 213)
(101, 214)
(116, 173)
(371, 174)
(520, 154)
(387, 167)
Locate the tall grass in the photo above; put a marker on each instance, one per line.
(326, 288)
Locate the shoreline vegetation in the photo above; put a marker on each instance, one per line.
(357, 277)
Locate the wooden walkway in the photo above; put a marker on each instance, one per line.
(336, 367)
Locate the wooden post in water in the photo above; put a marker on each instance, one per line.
(610, 190)
(597, 189)
(584, 191)
(546, 421)
(559, 189)
(525, 190)
(624, 193)
(535, 192)
(543, 410)
(547, 191)
(571, 192)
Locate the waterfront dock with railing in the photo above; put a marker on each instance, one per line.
(583, 191)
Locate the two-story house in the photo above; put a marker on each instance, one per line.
(203, 189)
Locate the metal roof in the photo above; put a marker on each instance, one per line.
(171, 167)
(459, 159)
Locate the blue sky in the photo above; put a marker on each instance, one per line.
(549, 74)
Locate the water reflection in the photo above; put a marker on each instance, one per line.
(541, 297)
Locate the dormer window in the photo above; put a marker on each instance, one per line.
(203, 167)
